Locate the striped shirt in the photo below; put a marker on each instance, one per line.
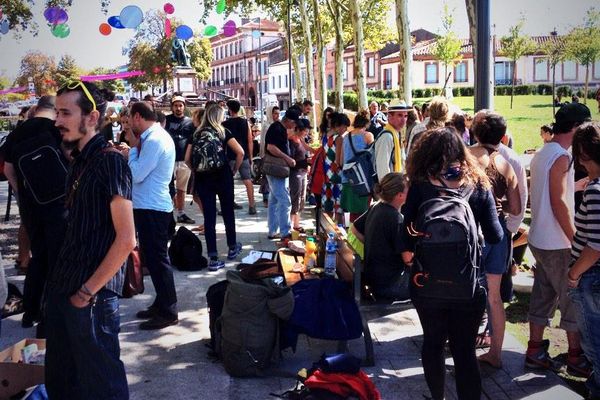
(95, 176)
(587, 221)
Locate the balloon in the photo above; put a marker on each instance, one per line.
(221, 6)
(169, 8)
(131, 17)
(167, 28)
(4, 26)
(61, 30)
(184, 32)
(229, 28)
(256, 34)
(210, 30)
(56, 15)
(115, 22)
(105, 29)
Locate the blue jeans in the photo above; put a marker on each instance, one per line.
(280, 205)
(586, 298)
(82, 349)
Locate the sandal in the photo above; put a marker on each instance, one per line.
(299, 229)
(483, 341)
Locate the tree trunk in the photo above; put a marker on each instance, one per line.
(321, 78)
(359, 54)
(514, 78)
(336, 16)
(405, 39)
(553, 89)
(587, 82)
(472, 16)
(298, 75)
(310, 79)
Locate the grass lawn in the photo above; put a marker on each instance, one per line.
(526, 117)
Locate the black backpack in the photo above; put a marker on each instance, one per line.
(185, 251)
(43, 168)
(448, 251)
(208, 154)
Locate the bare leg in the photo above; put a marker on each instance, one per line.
(249, 192)
(180, 200)
(498, 320)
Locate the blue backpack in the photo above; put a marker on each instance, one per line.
(359, 171)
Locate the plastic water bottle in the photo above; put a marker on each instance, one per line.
(330, 256)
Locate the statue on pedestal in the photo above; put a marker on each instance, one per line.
(179, 53)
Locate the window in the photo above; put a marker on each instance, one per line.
(286, 81)
(220, 52)
(345, 70)
(503, 72)
(329, 82)
(387, 78)
(227, 72)
(371, 67)
(540, 69)
(460, 72)
(226, 51)
(230, 49)
(431, 73)
(266, 86)
(569, 71)
(279, 81)
(596, 70)
(273, 82)
(265, 69)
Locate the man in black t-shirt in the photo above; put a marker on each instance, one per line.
(44, 223)
(276, 145)
(181, 130)
(240, 130)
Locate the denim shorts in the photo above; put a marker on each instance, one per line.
(495, 256)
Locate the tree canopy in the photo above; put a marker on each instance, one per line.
(40, 68)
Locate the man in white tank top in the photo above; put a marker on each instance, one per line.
(550, 235)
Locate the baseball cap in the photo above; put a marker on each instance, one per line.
(572, 113)
(292, 114)
(178, 98)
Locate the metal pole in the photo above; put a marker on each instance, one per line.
(484, 88)
(289, 29)
(260, 71)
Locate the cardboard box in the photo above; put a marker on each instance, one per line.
(16, 376)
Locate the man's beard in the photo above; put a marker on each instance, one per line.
(72, 144)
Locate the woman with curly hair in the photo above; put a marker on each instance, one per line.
(440, 164)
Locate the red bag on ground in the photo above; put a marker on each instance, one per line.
(344, 384)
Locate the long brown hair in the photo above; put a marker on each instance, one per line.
(435, 151)
(586, 142)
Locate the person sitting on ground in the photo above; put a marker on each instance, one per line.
(380, 229)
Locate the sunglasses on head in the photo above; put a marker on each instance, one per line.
(76, 84)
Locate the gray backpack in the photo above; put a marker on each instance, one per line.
(248, 329)
(448, 252)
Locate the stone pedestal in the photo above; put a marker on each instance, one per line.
(184, 80)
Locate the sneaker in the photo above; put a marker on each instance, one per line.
(215, 265)
(237, 206)
(251, 210)
(158, 322)
(538, 358)
(235, 251)
(579, 366)
(184, 219)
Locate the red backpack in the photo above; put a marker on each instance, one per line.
(317, 172)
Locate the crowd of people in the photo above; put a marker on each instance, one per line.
(126, 177)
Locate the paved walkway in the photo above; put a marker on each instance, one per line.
(173, 363)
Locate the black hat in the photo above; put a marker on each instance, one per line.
(292, 114)
(573, 113)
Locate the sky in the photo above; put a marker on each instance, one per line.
(90, 49)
